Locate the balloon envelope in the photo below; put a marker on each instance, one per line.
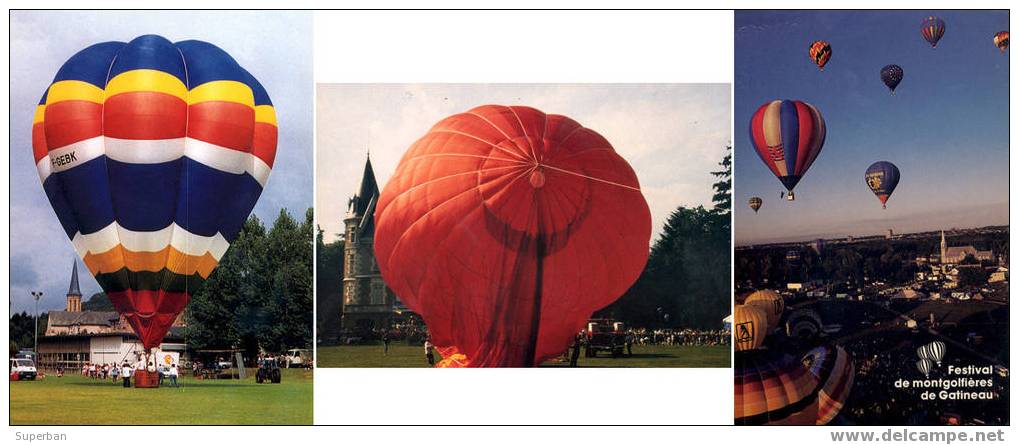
(152, 155)
(882, 177)
(834, 369)
(1001, 40)
(771, 302)
(891, 75)
(820, 53)
(774, 390)
(788, 136)
(749, 326)
(505, 228)
(756, 203)
(932, 28)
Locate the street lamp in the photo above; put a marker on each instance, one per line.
(37, 296)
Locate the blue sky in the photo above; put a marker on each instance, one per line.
(946, 127)
(275, 47)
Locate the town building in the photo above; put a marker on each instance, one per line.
(74, 336)
(955, 255)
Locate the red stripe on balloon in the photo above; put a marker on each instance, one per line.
(71, 121)
(760, 144)
(225, 124)
(150, 313)
(39, 149)
(806, 125)
(141, 115)
(263, 144)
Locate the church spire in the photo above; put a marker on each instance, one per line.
(74, 289)
(944, 246)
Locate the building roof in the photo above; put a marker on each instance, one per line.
(73, 289)
(368, 191)
(93, 318)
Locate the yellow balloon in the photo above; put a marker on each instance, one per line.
(749, 327)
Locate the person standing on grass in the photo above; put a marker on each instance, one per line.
(575, 353)
(385, 343)
(173, 375)
(430, 352)
(114, 373)
(125, 373)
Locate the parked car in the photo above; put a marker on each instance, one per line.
(299, 358)
(22, 369)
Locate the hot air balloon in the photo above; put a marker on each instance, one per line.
(834, 369)
(750, 327)
(770, 302)
(891, 75)
(820, 52)
(773, 390)
(932, 28)
(788, 136)
(489, 220)
(1001, 40)
(935, 351)
(152, 155)
(755, 203)
(924, 365)
(882, 177)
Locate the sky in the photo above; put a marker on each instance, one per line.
(946, 126)
(275, 47)
(672, 135)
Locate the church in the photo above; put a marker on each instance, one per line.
(955, 255)
(368, 303)
(73, 336)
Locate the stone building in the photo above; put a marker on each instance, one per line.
(955, 255)
(367, 302)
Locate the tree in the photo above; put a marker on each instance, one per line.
(329, 285)
(722, 197)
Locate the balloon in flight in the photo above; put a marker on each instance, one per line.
(788, 136)
(882, 177)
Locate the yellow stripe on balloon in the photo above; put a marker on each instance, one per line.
(222, 91)
(40, 114)
(146, 80)
(170, 258)
(73, 90)
(266, 114)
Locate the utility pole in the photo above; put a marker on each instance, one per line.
(37, 296)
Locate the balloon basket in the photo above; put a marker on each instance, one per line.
(146, 379)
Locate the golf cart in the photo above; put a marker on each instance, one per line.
(268, 371)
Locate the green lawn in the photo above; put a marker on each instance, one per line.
(404, 356)
(75, 400)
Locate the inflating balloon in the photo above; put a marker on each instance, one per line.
(749, 327)
(891, 75)
(769, 301)
(882, 177)
(153, 154)
(505, 228)
(755, 203)
(773, 390)
(834, 369)
(820, 52)
(932, 28)
(1001, 40)
(788, 136)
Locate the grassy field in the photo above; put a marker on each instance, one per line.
(404, 356)
(75, 400)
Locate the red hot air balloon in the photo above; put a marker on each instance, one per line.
(506, 228)
(788, 136)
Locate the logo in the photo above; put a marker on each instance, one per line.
(874, 180)
(929, 354)
(745, 332)
(167, 359)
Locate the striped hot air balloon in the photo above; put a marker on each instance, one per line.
(834, 369)
(755, 203)
(932, 29)
(153, 154)
(924, 365)
(788, 136)
(773, 390)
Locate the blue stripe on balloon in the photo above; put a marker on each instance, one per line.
(790, 123)
(148, 197)
(150, 52)
(91, 64)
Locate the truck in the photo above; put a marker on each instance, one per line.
(604, 335)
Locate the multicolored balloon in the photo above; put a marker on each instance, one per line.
(152, 154)
(1001, 40)
(932, 29)
(891, 75)
(820, 53)
(882, 177)
(834, 369)
(788, 136)
(489, 219)
(773, 390)
(755, 203)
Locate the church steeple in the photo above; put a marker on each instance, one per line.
(944, 246)
(74, 291)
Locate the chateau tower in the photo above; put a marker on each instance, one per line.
(73, 291)
(367, 301)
